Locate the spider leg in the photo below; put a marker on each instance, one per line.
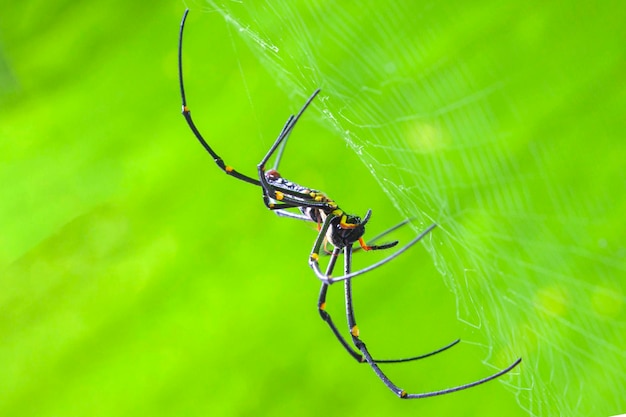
(321, 306)
(281, 149)
(187, 114)
(284, 133)
(315, 253)
(314, 257)
(391, 229)
(354, 331)
(383, 234)
(380, 236)
(285, 213)
(282, 136)
(271, 192)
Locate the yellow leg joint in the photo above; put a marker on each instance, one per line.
(323, 306)
(315, 257)
(279, 196)
(228, 168)
(403, 394)
(355, 331)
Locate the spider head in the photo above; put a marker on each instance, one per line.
(341, 236)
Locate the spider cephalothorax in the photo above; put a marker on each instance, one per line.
(341, 236)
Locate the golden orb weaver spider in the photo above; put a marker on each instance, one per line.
(336, 226)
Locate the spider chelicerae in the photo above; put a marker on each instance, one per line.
(335, 226)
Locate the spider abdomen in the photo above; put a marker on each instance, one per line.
(295, 190)
(288, 187)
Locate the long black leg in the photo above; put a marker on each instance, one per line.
(281, 149)
(268, 189)
(291, 123)
(187, 114)
(271, 192)
(321, 306)
(354, 331)
(391, 229)
(379, 236)
(356, 247)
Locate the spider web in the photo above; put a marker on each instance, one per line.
(441, 104)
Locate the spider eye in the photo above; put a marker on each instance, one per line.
(272, 174)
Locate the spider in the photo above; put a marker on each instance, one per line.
(335, 226)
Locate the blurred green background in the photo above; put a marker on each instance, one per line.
(136, 279)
